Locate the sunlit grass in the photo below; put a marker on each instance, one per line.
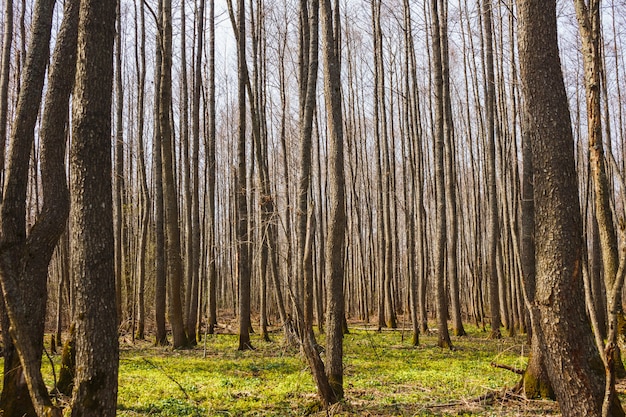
(384, 375)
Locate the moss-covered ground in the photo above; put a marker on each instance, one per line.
(384, 376)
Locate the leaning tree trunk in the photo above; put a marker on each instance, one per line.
(24, 259)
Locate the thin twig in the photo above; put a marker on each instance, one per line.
(154, 365)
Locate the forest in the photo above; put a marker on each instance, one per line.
(312, 207)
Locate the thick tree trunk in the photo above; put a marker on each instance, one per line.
(97, 351)
(572, 360)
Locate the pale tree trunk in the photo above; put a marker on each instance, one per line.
(7, 41)
(493, 230)
(190, 273)
(588, 16)
(572, 360)
(25, 258)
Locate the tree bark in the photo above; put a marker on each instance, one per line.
(335, 250)
(97, 351)
(441, 239)
(170, 200)
(572, 360)
(24, 259)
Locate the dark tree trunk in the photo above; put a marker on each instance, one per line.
(25, 259)
(572, 361)
(335, 250)
(243, 247)
(97, 352)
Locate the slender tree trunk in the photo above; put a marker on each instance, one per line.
(170, 200)
(210, 198)
(243, 246)
(119, 183)
(7, 41)
(441, 239)
(589, 25)
(160, 280)
(140, 60)
(335, 250)
(493, 231)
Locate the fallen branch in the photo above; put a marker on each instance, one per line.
(508, 368)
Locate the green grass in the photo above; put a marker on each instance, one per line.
(384, 375)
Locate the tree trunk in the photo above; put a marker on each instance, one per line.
(97, 352)
(572, 360)
(493, 230)
(243, 247)
(170, 200)
(25, 259)
(335, 250)
(441, 239)
(160, 280)
(210, 198)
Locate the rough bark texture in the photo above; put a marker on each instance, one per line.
(571, 357)
(536, 383)
(97, 351)
(25, 259)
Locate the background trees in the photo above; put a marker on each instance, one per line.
(422, 111)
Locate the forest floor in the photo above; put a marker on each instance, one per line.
(384, 376)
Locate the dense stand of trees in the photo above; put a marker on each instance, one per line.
(310, 163)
